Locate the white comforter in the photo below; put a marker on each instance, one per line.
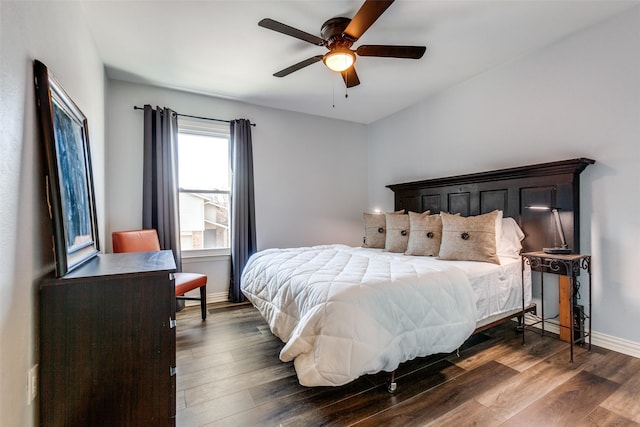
(344, 312)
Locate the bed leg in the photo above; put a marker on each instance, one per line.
(520, 327)
(392, 385)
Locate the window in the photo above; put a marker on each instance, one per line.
(204, 185)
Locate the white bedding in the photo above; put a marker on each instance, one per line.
(497, 288)
(344, 312)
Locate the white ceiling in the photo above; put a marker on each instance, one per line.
(216, 47)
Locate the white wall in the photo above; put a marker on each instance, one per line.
(310, 172)
(56, 35)
(580, 97)
(577, 98)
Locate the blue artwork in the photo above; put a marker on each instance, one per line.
(72, 168)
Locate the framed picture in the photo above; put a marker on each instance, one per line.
(65, 139)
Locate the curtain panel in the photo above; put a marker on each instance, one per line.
(160, 178)
(243, 223)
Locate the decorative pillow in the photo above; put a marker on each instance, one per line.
(397, 232)
(509, 244)
(425, 234)
(375, 230)
(470, 238)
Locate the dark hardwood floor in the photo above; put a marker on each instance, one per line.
(229, 374)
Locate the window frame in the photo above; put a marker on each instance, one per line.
(212, 129)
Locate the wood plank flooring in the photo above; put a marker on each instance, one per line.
(229, 374)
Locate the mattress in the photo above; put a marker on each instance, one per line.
(344, 312)
(497, 288)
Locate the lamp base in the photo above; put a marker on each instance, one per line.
(556, 250)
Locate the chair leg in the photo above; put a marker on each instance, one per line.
(203, 301)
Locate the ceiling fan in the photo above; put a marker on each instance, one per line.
(338, 35)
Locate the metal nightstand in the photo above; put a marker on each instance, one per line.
(566, 265)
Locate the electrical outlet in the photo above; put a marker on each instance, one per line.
(32, 383)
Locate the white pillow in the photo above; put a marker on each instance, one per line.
(498, 228)
(509, 245)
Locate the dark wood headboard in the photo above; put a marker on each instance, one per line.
(512, 190)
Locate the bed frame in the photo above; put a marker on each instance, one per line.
(513, 190)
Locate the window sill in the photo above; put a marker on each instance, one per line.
(206, 253)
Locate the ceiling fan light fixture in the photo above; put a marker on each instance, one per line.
(339, 60)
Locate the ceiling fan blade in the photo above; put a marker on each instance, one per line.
(411, 52)
(290, 31)
(365, 17)
(350, 77)
(298, 66)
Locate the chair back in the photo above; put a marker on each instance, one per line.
(135, 241)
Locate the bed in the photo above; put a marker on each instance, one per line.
(343, 312)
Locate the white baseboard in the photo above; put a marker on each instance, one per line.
(213, 297)
(620, 345)
(609, 342)
(218, 297)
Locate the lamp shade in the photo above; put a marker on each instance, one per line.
(339, 60)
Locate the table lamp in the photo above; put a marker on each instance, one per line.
(563, 249)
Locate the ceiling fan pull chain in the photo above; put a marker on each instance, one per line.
(346, 85)
(333, 92)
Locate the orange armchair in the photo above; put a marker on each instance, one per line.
(147, 241)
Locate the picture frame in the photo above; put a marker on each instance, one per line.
(69, 179)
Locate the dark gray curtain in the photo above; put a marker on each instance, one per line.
(243, 222)
(160, 178)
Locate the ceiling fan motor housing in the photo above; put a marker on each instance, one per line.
(332, 31)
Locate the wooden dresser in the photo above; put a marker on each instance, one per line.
(107, 343)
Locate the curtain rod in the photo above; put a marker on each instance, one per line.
(135, 107)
